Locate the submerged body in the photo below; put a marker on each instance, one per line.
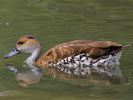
(78, 57)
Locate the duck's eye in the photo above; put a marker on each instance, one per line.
(20, 43)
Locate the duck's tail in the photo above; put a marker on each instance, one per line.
(126, 46)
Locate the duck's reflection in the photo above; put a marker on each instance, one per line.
(28, 76)
(33, 75)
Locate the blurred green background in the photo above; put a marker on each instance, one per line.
(57, 21)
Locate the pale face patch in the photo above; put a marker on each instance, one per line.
(27, 44)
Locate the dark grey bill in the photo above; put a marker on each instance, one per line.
(12, 53)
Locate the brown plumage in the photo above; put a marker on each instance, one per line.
(94, 48)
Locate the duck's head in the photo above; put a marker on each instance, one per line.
(26, 44)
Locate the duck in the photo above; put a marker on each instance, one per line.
(78, 57)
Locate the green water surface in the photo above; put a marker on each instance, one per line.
(57, 21)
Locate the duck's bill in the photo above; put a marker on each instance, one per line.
(12, 53)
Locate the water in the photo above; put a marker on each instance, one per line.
(57, 21)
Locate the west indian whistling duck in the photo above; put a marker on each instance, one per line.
(78, 57)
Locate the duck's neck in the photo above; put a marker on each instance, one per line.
(34, 56)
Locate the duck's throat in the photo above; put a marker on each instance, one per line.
(34, 56)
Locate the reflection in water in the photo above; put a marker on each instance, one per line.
(9, 92)
(28, 76)
(33, 75)
(95, 77)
